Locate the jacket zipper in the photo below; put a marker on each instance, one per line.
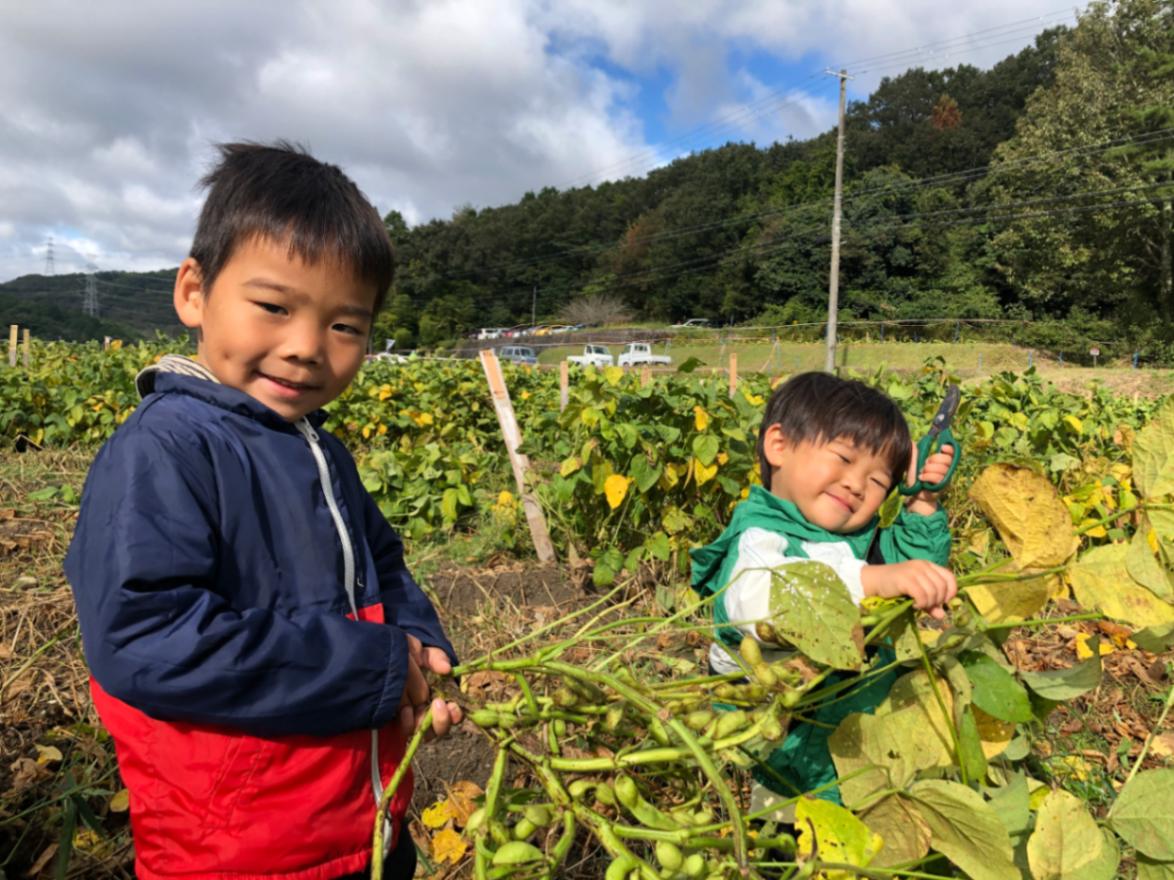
(348, 576)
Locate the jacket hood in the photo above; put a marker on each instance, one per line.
(178, 373)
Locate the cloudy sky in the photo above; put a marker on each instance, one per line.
(110, 108)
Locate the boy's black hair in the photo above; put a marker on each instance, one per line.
(281, 192)
(819, 408)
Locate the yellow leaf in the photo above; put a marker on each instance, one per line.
(382, 429)
(569, 466)
(994, 733)
(703, 474)
(462, 797)
(613, 375)
(722, 458)
(1018, 600)
(384, 392)
(1074, 423)
(48, 755)
(753, 399)
(366, 431)
(422, 419)
(700, 418)
(448, 846)
(1101, 582)
(1028, 514)
(1084, 652)
(119, 801)
(505, 498)
(437, 815)
(836, 834)
(670, 477)
(615, 488)
(745, 492)
(525, 395)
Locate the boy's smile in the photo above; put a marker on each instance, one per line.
(288, 333)
(836, 484)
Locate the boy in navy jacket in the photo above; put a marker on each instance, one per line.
(256, 643)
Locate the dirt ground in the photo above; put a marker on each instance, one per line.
(480, 607)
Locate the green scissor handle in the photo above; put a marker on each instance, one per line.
(939, 435)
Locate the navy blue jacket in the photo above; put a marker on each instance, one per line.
(208, 572)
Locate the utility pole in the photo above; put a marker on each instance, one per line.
(90, 302)
(533, 305)
(834, 275)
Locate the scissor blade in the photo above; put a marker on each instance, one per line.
(946, 411)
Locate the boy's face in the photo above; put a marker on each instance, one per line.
(290, 334)
(836, 485)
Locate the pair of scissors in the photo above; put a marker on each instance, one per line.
(939, 435)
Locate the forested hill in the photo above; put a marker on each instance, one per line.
(1040, 188)
(129, 304)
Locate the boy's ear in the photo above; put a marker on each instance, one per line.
(188, 296)
(775, 445)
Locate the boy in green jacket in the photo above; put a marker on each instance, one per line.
(830, 451)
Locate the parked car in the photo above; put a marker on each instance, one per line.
(491, 332)
(593, 355)
(517, 354)
(636, 353)
(693, 323)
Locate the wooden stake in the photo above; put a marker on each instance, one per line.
(564, 385)
(518, 461)
(645, 374)
(27, 345)
(733, 372)
(12, 331)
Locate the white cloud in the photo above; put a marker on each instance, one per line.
(111, 109)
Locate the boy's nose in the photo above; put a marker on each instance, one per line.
(304, 344)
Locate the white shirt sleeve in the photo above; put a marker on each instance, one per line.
(747, 599)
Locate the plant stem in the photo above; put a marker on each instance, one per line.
(389, 792)
(1149, 739)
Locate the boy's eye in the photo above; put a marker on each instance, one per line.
(349, 329)
(272, 308)
(881, 483)
(844, 458)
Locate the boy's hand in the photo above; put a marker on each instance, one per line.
(933, 471)
(930, 586)
(414, 702)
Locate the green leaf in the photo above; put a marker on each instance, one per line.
(448, 505)
(644, 474)
(890, 510)
(689, 365)
(970, 755)
(812, 609)
(658, 546)
(965, 829)
(1148, 869)
(706, 448)
(607, 566)
(1153, 454)
(1067, 844)
(1143, 814)
(1012, 804)
(1065, 684)
(996, 691)
(1155, 639)
(876, 752)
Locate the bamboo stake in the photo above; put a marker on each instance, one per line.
(645, 374)
(12, 331)
(733, 373)
(27, 346)
(564, 385)
(518, 461)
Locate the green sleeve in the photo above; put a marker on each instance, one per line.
(914, 536)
